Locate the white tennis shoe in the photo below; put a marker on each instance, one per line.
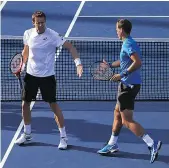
(23, 139)
(63, 143)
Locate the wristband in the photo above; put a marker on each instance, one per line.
(77, 61)
(124, 73)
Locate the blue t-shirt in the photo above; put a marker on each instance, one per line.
(128, 48)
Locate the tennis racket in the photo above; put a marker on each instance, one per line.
(104, 71)
(15, 67)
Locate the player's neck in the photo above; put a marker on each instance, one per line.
(41, 31)
(124, 37)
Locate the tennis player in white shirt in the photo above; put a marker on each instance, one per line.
(40, 45)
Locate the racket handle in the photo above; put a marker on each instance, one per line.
(128, 85)
(20, 82)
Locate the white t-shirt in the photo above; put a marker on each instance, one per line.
(42, 48)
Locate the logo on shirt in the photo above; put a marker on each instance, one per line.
(45, 38)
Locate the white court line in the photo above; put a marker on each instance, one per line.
(2, 5)
(74, 19)
(32, 103)
(122, 16)
(71, 26)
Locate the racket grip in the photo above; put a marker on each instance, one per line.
(128, 85)
(20, 83)
(110, 64)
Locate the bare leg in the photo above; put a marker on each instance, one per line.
(127, 120)
(60, 122)
(26, 113)
(117, 123)
(58, 114)
(116, 127)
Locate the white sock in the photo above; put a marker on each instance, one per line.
(27, 129)
(147, 139)
(113, 140)
(62, 132)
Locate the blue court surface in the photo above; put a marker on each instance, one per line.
(88, 123)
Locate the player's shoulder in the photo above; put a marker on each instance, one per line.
(29, 31)
(129, 42)
(52, 32)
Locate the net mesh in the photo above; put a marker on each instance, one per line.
(155, 69)
(101, 71)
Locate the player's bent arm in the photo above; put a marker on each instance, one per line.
(73, 52)
(25, 53)
(136, 63)
(116, 64)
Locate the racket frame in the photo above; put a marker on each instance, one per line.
(113, 72)
(17, 73)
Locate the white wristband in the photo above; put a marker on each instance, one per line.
(77, 61)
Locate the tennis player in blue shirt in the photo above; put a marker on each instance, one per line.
(130, 64)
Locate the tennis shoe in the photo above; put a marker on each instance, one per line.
(24, 138)
(63, 143)
(154, 150)
(109, 149)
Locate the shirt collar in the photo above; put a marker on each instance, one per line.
(128, 37)
(35, 34)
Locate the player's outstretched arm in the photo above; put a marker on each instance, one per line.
(75, 56)
(116, 64)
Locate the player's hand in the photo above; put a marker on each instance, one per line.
(79, 70)
(17, 74)
(22, 68)
(105, 62)
(116, 77)
(103, 66)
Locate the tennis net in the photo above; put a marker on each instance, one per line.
(155, 69)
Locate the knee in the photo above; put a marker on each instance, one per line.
(127, 122)
(117, 115)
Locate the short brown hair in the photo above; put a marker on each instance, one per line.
(125, 24)
(38, 14)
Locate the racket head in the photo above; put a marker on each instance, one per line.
(16, 64)
(100, 70)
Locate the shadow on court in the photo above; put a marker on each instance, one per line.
(129, 155)
(120, 154)
(82, 129)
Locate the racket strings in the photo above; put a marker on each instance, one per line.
(101, 72)
(16, 63)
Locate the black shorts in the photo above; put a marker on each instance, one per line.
(126, 96)
(47, 86)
